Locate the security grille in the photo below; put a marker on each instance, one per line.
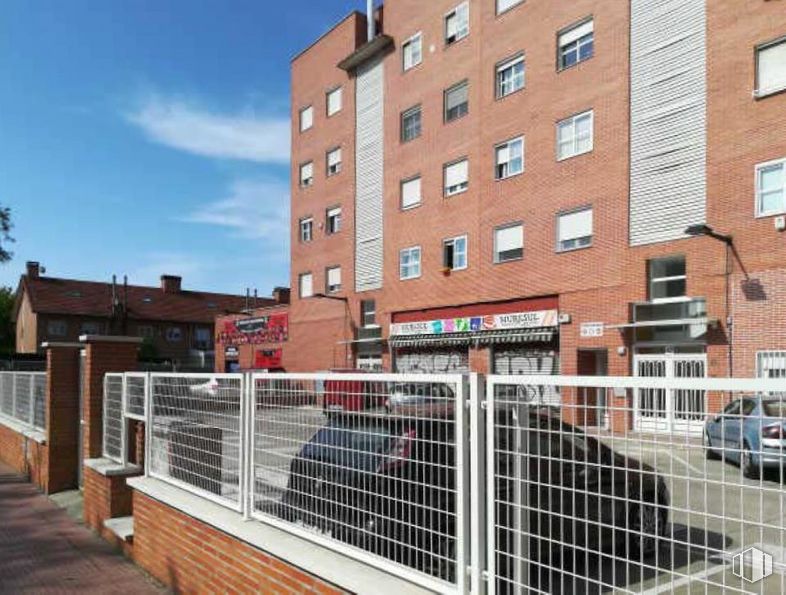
(114, 422)
(136, 396)
(23, 398)
(39, 401)
(196, 433)
(369, 464)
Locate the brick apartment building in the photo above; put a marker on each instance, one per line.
(591, 187)
(178, 324)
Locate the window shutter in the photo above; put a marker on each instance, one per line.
(456, 96)
(576, 33)
(503, 5)
(410, 193)
(334, 276)
(306, 118)
(772, 67)
(510, 238)
(452, 25)
(306, 285)
(334, 212)
(334, 101)
(575, 225)
(334, 157)
(306, 171)
(503, 154)
(457, 174)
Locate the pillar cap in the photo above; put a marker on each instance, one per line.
(49, 344)
(109, 339)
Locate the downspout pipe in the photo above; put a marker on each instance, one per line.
(370, 19)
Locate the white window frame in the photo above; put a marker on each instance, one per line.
(576, 240)
(760, 213)
(306, 182)
(306, 230)
(506, 226)
(335, 287)
(364, 314)
(333, 220)
(760, 92)
(445, 116)
(512, 4)
(571, 121)
(452, 241)
(300, 280)
(408, 112)
(333, 169)
(460, 33)
(404, 183)
(506, 145)
(456, 188)
(415, 41)
(411, 251)
(333, 110)
(306, 123)
(508, 64)
(572, 36)
(652, 280)
(769, 355)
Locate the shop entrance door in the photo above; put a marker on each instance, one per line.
(667, 409)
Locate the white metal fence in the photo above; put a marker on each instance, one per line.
(23, 398)
(464, 483)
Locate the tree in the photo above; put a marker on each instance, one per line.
(5, 233)
(7, 333)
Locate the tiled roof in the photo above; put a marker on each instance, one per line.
(88, 298)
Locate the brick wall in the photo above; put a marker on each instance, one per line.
(62, 417)
(105, 497)
(190, 556)
(25, 456)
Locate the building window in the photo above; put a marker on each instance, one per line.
(333, 279)
(574, 135)
(457, 101)
(306, 229)
(771, 67)
(368, 313)
(306, 285)
(409, 263)
(574, 230)
(333, 220)
(456, 177)
(410, 124)
(306, 118)
(410, 193)
(307, 175)
(457, 24)
(334, 161)
(203, 338)
(90, 328)
(454, 253)
(509, 243)
(412, 51)
(509, 158)
(510, 76)
(57, 328)
(771, 188)
(771, 364)
(576, 44)
(334, 101)
(505, 5)
(145, 331)
(667, 279)
(174, 334)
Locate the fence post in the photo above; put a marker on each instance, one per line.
(13, 395)
(31, 407)
(247, 443)
(148, 422)
(477, 473)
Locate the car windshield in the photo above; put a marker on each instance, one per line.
(349, 445)
(775, 408)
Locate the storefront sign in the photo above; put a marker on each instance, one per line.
(592, 329)
(231, 353)
(493, 322)
(255, 331)
(267, 359)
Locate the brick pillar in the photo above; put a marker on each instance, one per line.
(102, 356)
(480, 359)
(62, 416)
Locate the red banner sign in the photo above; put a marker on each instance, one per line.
(255, 331)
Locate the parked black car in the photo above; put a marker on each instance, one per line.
(387, 486)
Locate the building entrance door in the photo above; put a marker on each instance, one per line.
(669, 409)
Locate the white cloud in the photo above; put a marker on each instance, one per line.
(184, 126)
(155, 264)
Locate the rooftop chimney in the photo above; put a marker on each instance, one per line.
(281, 295)
(33, 270)
(171, 283)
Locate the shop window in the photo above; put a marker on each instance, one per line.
(509, 243)
(509, 158)
(457, 24)
(306, 285)
(457, 101)
(368, 313)
(306, 230)
(456, 177)
(510, 76)
(412, 51)
(57, 328)
(410, 193)
(334, 162)
(667, 279)
(454, 253)
(306, 118)
(574, 230)
(411, 124)
(333, 220)
(771, 67)
(576, 44)
(333, 279)
(574, 135)
(409, 263)
(334, 101)
(307, 174)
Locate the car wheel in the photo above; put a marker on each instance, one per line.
(644, 529)
(711, 454)
(749, 469)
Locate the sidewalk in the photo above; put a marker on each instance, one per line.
(42, 550)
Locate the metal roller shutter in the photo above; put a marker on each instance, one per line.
(527, 361)
(433, 361)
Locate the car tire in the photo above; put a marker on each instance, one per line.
(747, 465)
(708, 451)
(644, 530)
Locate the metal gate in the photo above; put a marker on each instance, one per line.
(670, 409)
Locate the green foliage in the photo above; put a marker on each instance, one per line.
(148, 350)
(5, 234)
(7, 324)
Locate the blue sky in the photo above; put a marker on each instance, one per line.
(141, 137)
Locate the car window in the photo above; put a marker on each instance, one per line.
(748, 406)
(732, 409)
(775, 408)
